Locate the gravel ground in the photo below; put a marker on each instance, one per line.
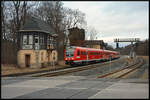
(95, 72)
(98, 71)
(140, 71)
(12, 69)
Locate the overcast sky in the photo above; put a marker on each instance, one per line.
(114, 19)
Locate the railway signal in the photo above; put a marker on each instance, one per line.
(132, 52)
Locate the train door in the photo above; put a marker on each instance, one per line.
(81, 53)
(103, 55)
(87, 56)
(84, 55)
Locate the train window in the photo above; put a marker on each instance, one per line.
(78, 53)
(84, 53)
(71, 54)
(67, 53)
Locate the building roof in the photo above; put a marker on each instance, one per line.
(35, 24)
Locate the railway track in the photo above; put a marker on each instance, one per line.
(75, 69)
(124, 71)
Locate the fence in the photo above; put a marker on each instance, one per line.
(8, 52)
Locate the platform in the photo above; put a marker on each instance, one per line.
(77, 87)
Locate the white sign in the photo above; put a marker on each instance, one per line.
(27, 47)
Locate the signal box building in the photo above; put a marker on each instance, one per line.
(37, 44)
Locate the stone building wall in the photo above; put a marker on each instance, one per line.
(38, 58)
(97, 46)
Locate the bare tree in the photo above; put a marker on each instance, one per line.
(60, 19)
(2, 20)
(51, 12)
(74, 18)
(91, 33)
(19, 15)
(13, 17)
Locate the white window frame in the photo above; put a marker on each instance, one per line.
(25, 40)
(30, 39)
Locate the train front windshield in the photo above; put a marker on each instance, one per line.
(70, 51)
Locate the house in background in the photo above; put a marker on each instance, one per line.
(97, 44)
(77, 38)
(37, 44)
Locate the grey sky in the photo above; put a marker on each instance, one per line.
(115, 19)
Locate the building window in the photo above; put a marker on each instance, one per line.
(48, 40)
(42, 40)
(36, 40)
(24, 39)
(51, 40)
(30, 39)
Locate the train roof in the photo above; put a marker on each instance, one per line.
(87, 48)
(93, 49)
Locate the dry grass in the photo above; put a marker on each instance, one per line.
(12, 69)
(146, 58)
(145, 75)
(130, 61)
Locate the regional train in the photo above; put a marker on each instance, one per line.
(80, 55)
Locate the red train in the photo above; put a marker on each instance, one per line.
(79, 55)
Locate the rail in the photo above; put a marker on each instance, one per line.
(76, 69)
(124, 71)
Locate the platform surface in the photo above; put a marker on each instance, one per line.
(73, 87)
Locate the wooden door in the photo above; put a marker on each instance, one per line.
(27, 60)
